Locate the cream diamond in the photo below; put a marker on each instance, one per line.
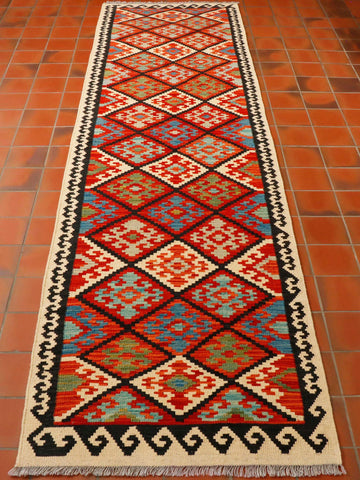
(172, 51)
(173, 101)
(177, 266)
(175, 169)
(179, 385)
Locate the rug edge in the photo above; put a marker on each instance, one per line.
(247, 471)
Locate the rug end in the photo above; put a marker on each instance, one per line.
(246, 471)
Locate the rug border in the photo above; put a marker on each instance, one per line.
(244, 470)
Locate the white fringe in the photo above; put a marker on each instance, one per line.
(236, 471)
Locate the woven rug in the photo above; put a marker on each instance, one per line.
(174, 335)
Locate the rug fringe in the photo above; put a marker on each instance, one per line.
(237, 471)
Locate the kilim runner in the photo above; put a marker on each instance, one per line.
(175, 335)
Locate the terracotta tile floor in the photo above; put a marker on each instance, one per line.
(307, 56)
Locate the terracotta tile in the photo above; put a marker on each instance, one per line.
(7, 461)
(345, 178)
(340, 293)
(353, 406)
(33, 136)
(74, 84)
(285, 100)
(341, 156)
(10, 418)
(22, 70)
(68, 21)
(326, 117)
(14, 323)
(333, 136)
(9, 256)
(277, 68)
(303, 56)
(353, 224)
(345, 84)
(57, 156)
(330, 372)
(10, 32)
(85, 43)
(6, 136)
(33, 261)
(297, 230)
(293, 32)
(333, 260)
(322, 33)
(302, 156)
(327, 44)
(70, 100)
(309, 179)
(25, 296)
(61, 44)
(40, 231)
(39, 100)
(36, 32)
(62, 136)
(12, 230)
(308, 69)
(332, 57)
(8, 43)
(5, 286)
(46, 10)
(304, 260)
(53, 70)
(67, 117)
(312, 294)
(81, 56)
(65, 32)
(352, 117)
(348, 364)
(316, 203)
(4, 151)
(49, 85)
(14, 100)
(313, 84)
(39, 118)
(321, 333)
(298, 43)
(27, 56)
(5, 56)
(52, 179)
(54, 56)
(9, 118)
(355, 132)
(46, 204)
(14, 368)
(16, 204)
(319, 100)
(32, 44)
(344, 330)
(26, 157)
(22, 179)
(41, 21)
(325, 230)
(296, 136)
(291, 117)
(349, 202)
(289, 21)
(339, 70)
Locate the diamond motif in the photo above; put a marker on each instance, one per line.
(120, 31)
(173, 101)
(175, 212)
(107, 131)
(119, 50)
(145, 40)
(220, 239)
(139, 116)
(174, 133)
(207, 116)
(197, 23)
(210, 150)
(226, 296)
(146, 23)
(137, 150)
(126, 356)
(114, 73)
(140, 87)
(214, 190)
(177, 266)
(172, 31)
(225, 50)
(175, 169)
(144, 62)
(135, 189)
(252, 212)
(172, 51)
(177, 327)
(229, 354)
(91, 264)
(239, 132)
(127, 295)
(244, 169)
(173, 74)
(179, 385)
(112, 101)
(131, 238)
(204, 87)
(172, 16)
(234, 102)
(229, 73)
(201, 62)
(103, 167)
(199, 40)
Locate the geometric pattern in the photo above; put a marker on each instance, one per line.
(174, 314)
